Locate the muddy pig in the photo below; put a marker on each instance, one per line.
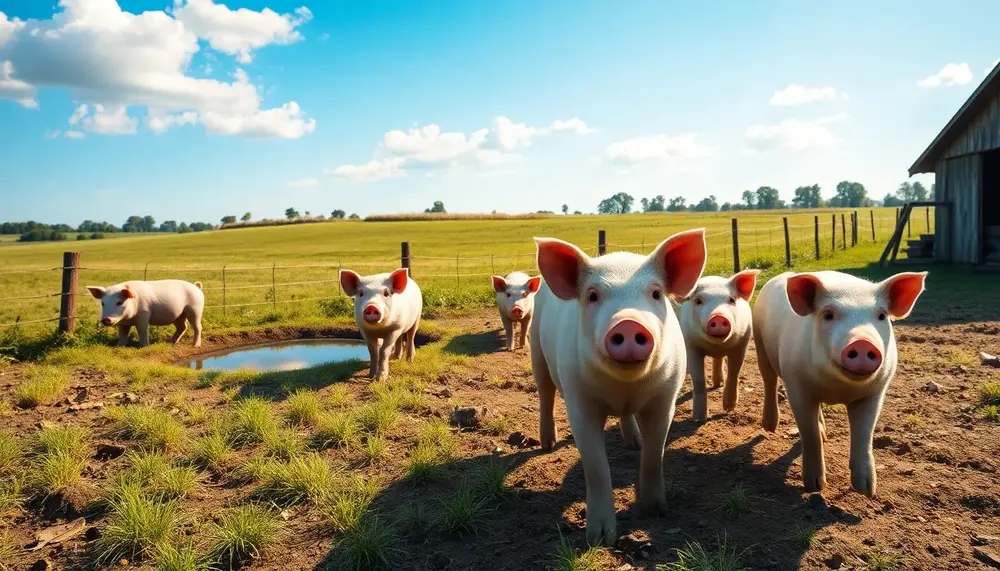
(606, 337)
(145, 303)
(716, 322)
(387, 309)
(515, 301)
(829, 336)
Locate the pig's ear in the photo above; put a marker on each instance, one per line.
(128, 294)
(681, 258)
(803, 290)
(96, 291)
(399, 279)
(534, 283)
(499, 284)
(902, 291)
(562, 265)
(349, 280)
(744, 283)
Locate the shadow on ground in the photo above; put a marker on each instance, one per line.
(475, 344)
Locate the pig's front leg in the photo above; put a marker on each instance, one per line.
(862, 416)
(630, 432)
(383, 354)
(805, 408)
(588, 431)
(123, 329)
(142, 326)
(372, 342)
(525, 323)
(769, 416)
(654, 421)
(731, 394)
(546, 399)
(717, 372)
(699, 400)
(508, 329)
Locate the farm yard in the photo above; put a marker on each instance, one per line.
(179, 469)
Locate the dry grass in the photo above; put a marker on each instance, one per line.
(428, 216)
(42, 385)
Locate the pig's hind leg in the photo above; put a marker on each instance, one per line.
(717, 372)
(411, 341)
(806, 410)
(699, 399)
(546, 398)
(769, 418)
(193, 315)
(181, 324)
(731, 394)
(630, 432)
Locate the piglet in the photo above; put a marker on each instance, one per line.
(387, 310)
(716, 322)
(515, 300)
(829, 336)
(145, 303)
(606, 337)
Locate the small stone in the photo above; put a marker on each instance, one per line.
(921, 519)
(932, 388)
(934, 550)
(903, 448)
(465, 417)
(81, 395)
(498, 451)
(109, 451)
(92, 534)
(793, 431)
(870, 541)
(85, 406)
(988, 557)
(880, 442)
(444, 393)
(130, 398)
(625, 567)
(286, 515)
(979, 539)
(835, 561)
(41, 565)
(989, 360)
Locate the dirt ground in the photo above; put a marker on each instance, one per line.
(937, 461)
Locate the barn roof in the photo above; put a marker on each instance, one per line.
(976, 102)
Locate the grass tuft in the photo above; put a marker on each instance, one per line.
(303, 408)
(694, 557)
(375, 450)
(211, 451)
(283, 444)
(737, 501)
(243, 533)
(989, 393)
(11, 496)
(72, 440)
(378, 418)
(302, 478)
(345, 508)
(490, 479)
(462, 513)
(250, 422)
(147, 426)
(568, 558)
(138, 526)
(10, 453)
(196, 412)
(339, 397)
(804, 537)
(879, 561)
(42, 385)
(185, 558)
(370, 544)
(335, 429)
(990, 413)
(497, 425)
(56, 472)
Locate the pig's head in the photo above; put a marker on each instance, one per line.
(623, 297)
(374, 295)
(852, 318)
(715, 300)
(118, 303)
(515, 294)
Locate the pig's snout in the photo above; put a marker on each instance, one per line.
(861, 357)
(629, 342)
(517, 312)
(372, 314)
(718, 326)
(107, 321)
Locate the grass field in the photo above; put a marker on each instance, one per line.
(451, 259)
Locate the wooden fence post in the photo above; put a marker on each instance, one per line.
(927, 216)
(223, 290)
(736, 246)
(274, 287)
(871, 213)
(854, 228)
(788, 247)
(816, 232)
(602, 244)
(404, 257)
(67, 305)
(843, 233)
(909, 224)
(833, 234)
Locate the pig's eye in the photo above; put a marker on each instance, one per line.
(698, 301)
(657, 295)
(385, 293)
(508, 295)
(524, 294)
(828, 315)
(881, 316)
(592, 297)
(732, 301)
(120, 302)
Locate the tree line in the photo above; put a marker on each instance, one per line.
(848, 194)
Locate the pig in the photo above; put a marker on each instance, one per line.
(145, 303)
(606, 337)
(515, 301)
(387, 310)
(716, 322)
(829, 336)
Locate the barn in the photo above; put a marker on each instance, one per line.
(965, 158)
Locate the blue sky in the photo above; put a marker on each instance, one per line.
(197, 110)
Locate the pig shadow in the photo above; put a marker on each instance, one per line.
(476, 344)
(709, 495)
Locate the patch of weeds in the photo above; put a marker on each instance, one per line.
(914, 421)
(231, 394)
(335, 429)
(145, 425)
(413, 516)
(377, 418)
(694, 557)
(250, 422)
(196, 412)
(283, 444)
(227, 380)
(989, 393)
(339, 397)
(375, 450)
(154, 472)
(56, 472)
(388, 393)
(804, 537)
(184, 558)
(10, 452)
(990, 413)
(833, 408)
(137, 525)
(463, 512)
(243, 533)
(437, 432)
(345, 508)
(5, 407)
(302, 478)
(414, 401)
(211, 451)
(959, 357)
(879, 561)
(255, 469)
(370, 544)
(41, 385)
(737, 501)
(176, 482)
(497, 425)
(7, 548)
(66, 438)
(490, 479)
(424, 463)
(568, 558)
(11, 496)
(303, 408)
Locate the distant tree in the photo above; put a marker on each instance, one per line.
(767, 198)
(168, 226)
(148, 224)
(81, 237)
(90, 226)
(807, 197)
(656, 204)
(707, 205)
(338, 214)
(851, 195)
(183, 228)
(565, 209)
(228, 219)
(97, 236)
(200, 226)
(577, 212)
(726, 207)
(133, 224)
(620, 203)
(750, 199)
(891, 200)
(41, 235)
(246, 217)
(354, 216)
(291, 213)
(437, 208)
(911, 192)
(677, 204)
(645, 204)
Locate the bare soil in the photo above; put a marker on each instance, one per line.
(937, 463)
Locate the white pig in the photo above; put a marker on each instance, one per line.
(716, 322)
(515, 301)
(829, 336)
(606, 337)
(387, 307)
(145, 303)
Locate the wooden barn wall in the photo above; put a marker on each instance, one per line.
(981, 135)
(958, 181)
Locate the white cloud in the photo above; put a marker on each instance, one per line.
(79, 113)
(74, 134)
(378, 169)
(659, 147)
(238, 32)
(950, 74)
(52, 134)
(796, 94)
(573, 125)
(102, 54)
(992, 66)
(113, 120)
(510, 134)
(160, 121)
(308, 182)
(429, 146)
(793, 134)
(324, 37)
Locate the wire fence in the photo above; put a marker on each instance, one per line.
(39, 296)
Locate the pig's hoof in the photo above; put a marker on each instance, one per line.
(729, 403)
(769, 421)
(633, 442)
(813, 483)
(863, 480)
(602, 528)
(654, 506)
(548, 439)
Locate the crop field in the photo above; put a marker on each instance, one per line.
(128, 456)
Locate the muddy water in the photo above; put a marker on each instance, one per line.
(282, 355)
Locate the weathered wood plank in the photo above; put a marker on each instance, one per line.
(982, 134)
(962, 179)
